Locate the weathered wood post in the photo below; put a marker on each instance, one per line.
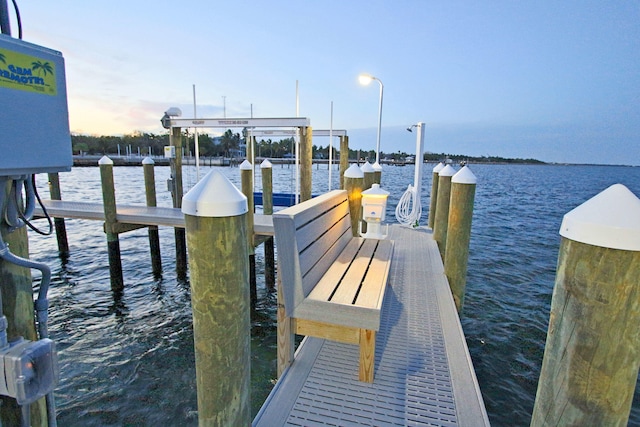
(59, 224)
(154, 237)
(463, 190)
(377, 173)
(354, 183)
(433, 201)
(267, 209)
(110, 223)
(246, 179)
(344, 158)
(369, 180)
(591, 358)
(369, 175)
(175, 163)
(442, 208)
(17, 306)
(306, 154)
(215, 216)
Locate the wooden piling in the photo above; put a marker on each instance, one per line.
(369, 175)
(58, 223)
(344, 158)
(442, 208)
(354, 184)
(154, 237)
(17, 307)
(306, 158)
(217, 237)
(110, 223)
(267, 209)
(246, 179)
(463, 189)
(433, 201)
(377, 173)
(592, 353)
(175, 140)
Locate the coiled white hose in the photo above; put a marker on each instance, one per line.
(409, 209)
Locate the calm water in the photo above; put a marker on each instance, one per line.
(129, 360)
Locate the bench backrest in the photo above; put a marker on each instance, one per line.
(309, 237)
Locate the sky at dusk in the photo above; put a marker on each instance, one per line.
(556, 81)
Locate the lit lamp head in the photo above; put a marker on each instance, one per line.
(374, 205)
(365, 79)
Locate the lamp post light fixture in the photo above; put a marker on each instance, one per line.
(365, 79)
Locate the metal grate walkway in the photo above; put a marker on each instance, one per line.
(423, 373)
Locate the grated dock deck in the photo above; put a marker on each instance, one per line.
(423, 374)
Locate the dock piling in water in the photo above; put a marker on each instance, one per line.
(354, 183)
(267, 209)
(154, 237)
(592, 353)
(215, 215)
(433, 201)
(59, 224)
(110, 223)
(175, 163)
(441, 220)
(344, 158)
(463, 189)
(246, 179)
(306, 162)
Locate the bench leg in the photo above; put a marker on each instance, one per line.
(367, 355)
(286, 335)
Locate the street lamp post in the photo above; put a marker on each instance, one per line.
(365, 79)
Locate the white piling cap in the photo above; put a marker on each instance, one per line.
(367, 168)
(214, 196)
(376, 167)
(246, 165)
(610, 219)
(105, 160)
(354, 172)
(437, 168)
(148, 161)
(375, 190)
(266, 164)
(447, 171)
(464, 176)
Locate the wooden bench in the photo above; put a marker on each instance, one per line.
(331, 283)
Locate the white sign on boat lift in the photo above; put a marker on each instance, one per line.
(240, 122)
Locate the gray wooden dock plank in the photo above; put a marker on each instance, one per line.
(423, 376)
(135, 214)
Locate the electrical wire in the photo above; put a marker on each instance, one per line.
(15, 7)
(26, 216)
(409, 209)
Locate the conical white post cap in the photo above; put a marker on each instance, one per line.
(610, 219)
(214, 196)
(353, 172)
(367, 168)
(464, 176)
(447, 171)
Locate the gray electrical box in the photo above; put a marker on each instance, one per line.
(34, 117)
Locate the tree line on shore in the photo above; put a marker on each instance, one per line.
(231, 144)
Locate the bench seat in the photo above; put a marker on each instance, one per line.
(332, 283)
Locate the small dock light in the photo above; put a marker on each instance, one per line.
(374, 206)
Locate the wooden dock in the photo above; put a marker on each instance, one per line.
(423, 370)
(135, 214)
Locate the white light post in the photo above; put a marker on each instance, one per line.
(365, 79)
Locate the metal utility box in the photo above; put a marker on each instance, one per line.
(34, 117)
